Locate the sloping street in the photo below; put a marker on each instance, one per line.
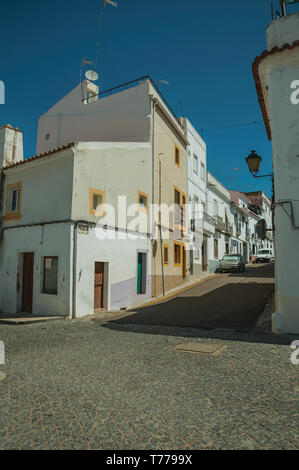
(232, 300)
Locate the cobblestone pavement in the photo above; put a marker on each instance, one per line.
(88, 385)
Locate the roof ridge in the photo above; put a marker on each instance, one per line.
(38, 156)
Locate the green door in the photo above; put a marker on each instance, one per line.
(139, 278)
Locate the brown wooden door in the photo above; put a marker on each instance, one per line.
(27, 293)
(98, 285)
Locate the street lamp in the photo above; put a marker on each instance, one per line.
(253, 161)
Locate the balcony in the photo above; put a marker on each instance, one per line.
(229, 229)
(220, 224)
(209, 219)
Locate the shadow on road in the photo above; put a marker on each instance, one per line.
(262, 270)
(251, 336)
(230, 307)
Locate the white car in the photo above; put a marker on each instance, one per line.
(264, 256)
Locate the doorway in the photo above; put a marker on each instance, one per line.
(141, 273)
(99, 285)
(204, 254)
(27, 290)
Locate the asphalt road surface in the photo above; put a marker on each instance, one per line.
(231, 300)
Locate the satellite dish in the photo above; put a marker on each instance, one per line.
(91, 75)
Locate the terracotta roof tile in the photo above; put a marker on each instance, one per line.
(37, 157)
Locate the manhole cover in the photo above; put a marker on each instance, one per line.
(200, 348)
(2, 376)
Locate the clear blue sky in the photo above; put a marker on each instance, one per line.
(203, 48)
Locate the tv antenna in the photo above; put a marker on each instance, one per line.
(104, 3)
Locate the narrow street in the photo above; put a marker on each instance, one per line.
(231, 300)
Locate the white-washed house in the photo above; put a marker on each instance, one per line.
(59, 252)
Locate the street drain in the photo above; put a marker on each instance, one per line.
(200, 348)
(2, 376)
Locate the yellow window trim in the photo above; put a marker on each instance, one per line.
(15, 215)
(166, 245)
(180, 244)
(177, 149)
(179, 227)
(97, 192)
(140, 208)
(179, 191)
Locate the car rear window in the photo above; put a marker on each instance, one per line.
(263, 252)
(231, 257)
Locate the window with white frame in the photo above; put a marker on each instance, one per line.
(195, 164)
(215, 208)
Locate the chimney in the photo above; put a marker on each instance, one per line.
(11, 145)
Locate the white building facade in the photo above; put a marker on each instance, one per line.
(276, 74)
(197, 200)
(61, 252)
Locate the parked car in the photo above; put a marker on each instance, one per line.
(264, 256)
(233, 262)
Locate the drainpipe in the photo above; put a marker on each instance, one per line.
(160, 229)
(2, 176)
(153, 179)
(73, 313)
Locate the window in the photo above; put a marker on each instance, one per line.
(96, 202)
(177, 197)
(202, 172)
(177, 254)
(142, 201)
(215, 208)
(195, 164)
(165, 255)
(50, 279)
(13, 200)
(180, 213)
(215, 248)
(177, 155)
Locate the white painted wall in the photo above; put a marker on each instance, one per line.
(121, 257)
(278, 73)
(48, 240)
(196, 186)
(119, 117)
(117, 168)
(47, 188)
(282, 31)
(218, 203)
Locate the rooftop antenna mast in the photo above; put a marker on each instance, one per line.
(104, 3)
(92, 75)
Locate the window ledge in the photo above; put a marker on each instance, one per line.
(12, 216)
